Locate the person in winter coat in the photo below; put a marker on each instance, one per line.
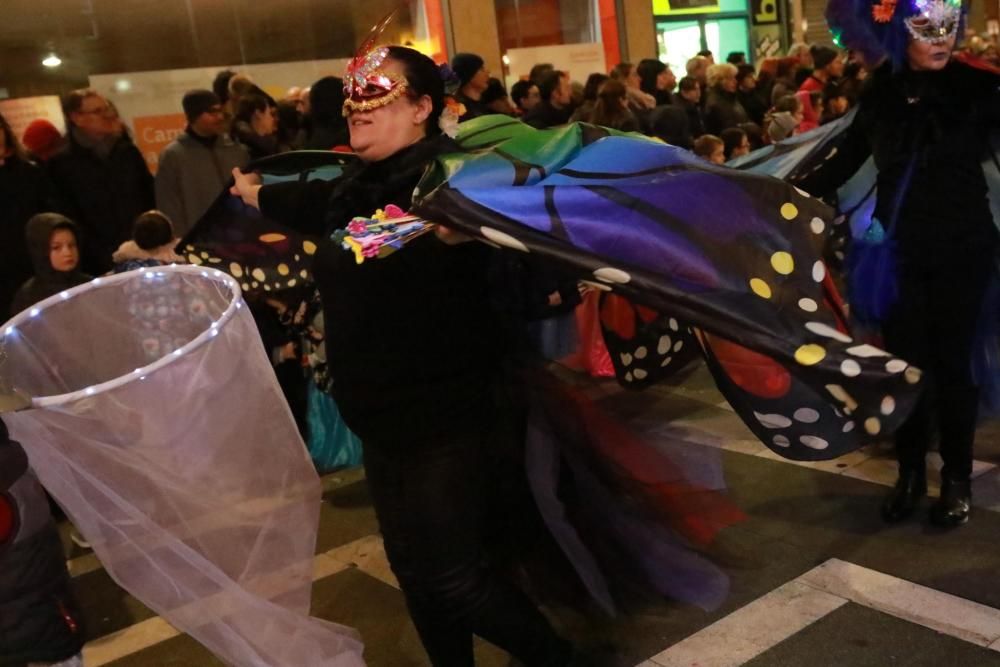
(153, 242)
(723, 108)
(612, 110)
(689, 99)
(925, 119)
(195, 167)
(753, 101)
(473, 79)
(40, 623)
(100, 177)
(24, 191)
(53, 246)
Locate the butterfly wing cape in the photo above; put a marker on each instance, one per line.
(731, 257)
(263, 255)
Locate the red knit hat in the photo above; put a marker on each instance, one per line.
(42, 138)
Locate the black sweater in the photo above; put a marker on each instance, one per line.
(411, 340)
(944, 118)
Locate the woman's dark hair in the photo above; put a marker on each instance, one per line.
(539, 71)
(648, 69)
(621, 71)
(593, 86)
(220, 85)
(609, 110)
(326, 102)
(731, 137)
(789, 103)
(248, 105)
(423, 78)
(520, 90)
(755, 135)
(550, 84)
(152, 229)
(494, 91)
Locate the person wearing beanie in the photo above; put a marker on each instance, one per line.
(100, 177)
(781, 125)
(42, 139)
(152, 244)
(195, 167)
(473, 79)
(828, 67)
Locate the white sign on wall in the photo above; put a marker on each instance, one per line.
(580, 60)
(21, 111)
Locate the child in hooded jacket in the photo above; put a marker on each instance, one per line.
(53, 246)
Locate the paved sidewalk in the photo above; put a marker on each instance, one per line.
(816, 578)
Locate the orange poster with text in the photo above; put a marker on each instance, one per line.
(153, 133)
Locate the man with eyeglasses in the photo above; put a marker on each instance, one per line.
(196, 166)
(100, 177)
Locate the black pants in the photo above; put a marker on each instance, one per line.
(933, 326)
(431, 500)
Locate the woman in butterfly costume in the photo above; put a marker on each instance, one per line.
(925, 118)
(415, 353)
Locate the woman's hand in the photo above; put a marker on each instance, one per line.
(247, 187)
(450, 236)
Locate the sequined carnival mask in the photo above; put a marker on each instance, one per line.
(936, 21)
(367, 85)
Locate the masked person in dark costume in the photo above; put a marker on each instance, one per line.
(412, 361)
(925, 119)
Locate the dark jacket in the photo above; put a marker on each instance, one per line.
(322, 137)
(671, 123)
(39, 619)
(473, 108)
(545, 115)
(24, 191)
(754, 104)
(104, 195)
(193, 171)
(944, 118)
(257, 146)
(695, 116)
(411, 340)
(46, 281)
(723, 110)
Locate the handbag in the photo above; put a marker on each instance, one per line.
(873, 264)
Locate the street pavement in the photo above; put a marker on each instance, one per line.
(816, 578)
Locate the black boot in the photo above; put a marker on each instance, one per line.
(953, 507)
(905, 496)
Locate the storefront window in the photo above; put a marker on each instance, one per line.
(578, 36)
(685, 27)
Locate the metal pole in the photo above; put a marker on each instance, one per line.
(798, 35)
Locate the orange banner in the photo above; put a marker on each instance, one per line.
(153, 133)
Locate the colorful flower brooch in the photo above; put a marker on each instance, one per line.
(382, 234)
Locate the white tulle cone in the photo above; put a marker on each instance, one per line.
(159, 426)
